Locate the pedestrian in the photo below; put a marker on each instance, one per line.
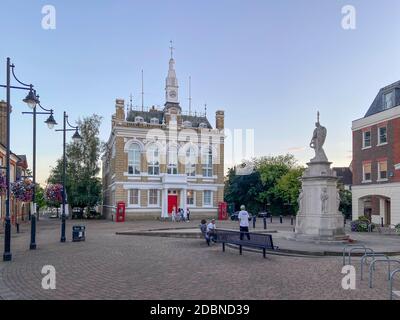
(244, 222)
(182, 215)
(188, 214)
(173, 215)
(203, 229)
(211, 231)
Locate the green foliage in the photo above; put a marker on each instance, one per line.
(244, 189)
(345, 202)
(288, 189)
(39, 197)
(274, 183)
(83, 186)
(363, 218)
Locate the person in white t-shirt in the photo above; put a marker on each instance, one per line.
(244, 218)
(211, 230)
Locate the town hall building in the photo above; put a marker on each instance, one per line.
(162, 158)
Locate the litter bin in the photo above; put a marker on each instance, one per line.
(78, 233)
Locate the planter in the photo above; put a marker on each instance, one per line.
(22, 190)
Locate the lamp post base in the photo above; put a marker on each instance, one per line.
(62, 240)
(7, 256)
(32, 245)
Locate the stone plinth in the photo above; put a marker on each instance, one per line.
(319, 217)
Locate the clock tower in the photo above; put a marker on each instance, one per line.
(171, 85)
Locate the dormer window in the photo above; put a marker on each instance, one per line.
(203, 125)
(388, 100)
(187, 124)
(154, 121)
(139, 119)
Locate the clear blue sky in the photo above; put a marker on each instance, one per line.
(269, 64)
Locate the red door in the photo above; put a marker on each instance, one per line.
(172, 202)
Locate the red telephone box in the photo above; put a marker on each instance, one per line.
(222, 211)
(120, 214)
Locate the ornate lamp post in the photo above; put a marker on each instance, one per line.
(31, 100)
(50, 123)
(76, 138)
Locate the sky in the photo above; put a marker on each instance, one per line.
(270, 64)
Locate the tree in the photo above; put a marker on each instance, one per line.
(39, 197)
(244, 189)
(288, 189)
(345, 202)
(272, 169)
(83, 186)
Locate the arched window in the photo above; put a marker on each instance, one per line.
(207, 161)
(172, 165)
(154, 121)
(190, 162)
(139, 119)
(187, 124)
(153, 160)
(134, 159)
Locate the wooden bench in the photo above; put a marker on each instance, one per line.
(257, 240)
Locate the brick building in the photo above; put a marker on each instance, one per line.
(160, 158)
(19, 166)
(376, 159)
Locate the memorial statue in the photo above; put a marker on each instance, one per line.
(300, 201)
(318, 141)
(324, 200)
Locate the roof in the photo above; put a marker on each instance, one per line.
(344, 174)
(11, 153)
(159, 114)
(379, 103)
(22, 160)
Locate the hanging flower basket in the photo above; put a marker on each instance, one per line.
(22, 190)
(3, 184)
(54, 193)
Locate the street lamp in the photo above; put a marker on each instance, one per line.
(76, 138)
(31, 101)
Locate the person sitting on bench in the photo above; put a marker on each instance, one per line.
(203, 228)
(211, 230)
(244, 222)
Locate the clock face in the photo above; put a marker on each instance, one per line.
(172, 94)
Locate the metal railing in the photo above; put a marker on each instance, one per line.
(372, 268)
(354, 247)
(391, 291)
(365, 258)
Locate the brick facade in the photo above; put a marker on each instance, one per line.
(378, 197)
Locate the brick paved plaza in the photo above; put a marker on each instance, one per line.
(110, 266)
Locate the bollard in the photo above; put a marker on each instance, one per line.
(265, 223)
(254, 222)
(291, 220)
(382, 222)
(271, 217)
(280, 219)
(17, 225)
